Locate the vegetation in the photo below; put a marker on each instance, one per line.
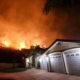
(67, 5)
(13, 70)
(35, 51)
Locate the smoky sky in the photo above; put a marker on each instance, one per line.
(24, 21)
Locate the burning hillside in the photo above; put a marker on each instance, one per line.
(23, 24)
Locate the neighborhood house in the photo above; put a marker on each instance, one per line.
(11, 59)
(63, 56)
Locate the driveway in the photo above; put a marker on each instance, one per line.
(35, 74)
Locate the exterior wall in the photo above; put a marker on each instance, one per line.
(9, 65)
(37, 62)
(43, 62)
(29, 62)
(72, 57)
(57, 62)
(64, 57)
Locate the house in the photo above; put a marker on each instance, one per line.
(31, 54)
(63, 56)
(29, 62)
(10, 58)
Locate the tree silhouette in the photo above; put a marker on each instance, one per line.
(67, 5)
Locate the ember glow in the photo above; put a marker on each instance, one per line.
(6, 43)
(23, 24)
(22, 45)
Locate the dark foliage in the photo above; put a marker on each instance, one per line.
(10, 56)
(33, 51)
(67, 5)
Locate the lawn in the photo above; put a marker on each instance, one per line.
(13, 70)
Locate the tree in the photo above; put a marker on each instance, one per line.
(67, 5)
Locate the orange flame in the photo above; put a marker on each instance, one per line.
(22, 45)
(6, 43)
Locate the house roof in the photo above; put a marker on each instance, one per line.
(61, 40)
(64, 40)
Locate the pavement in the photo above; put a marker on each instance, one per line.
(36, 74)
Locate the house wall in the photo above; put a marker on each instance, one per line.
(37, 62)
(43, 62)
(65, 58)
(29, 62)
(67, 61)
(9, 65)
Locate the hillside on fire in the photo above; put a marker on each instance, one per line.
(24, 23)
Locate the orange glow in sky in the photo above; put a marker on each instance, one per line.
(23, 23)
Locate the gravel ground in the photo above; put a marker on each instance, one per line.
(35, 74)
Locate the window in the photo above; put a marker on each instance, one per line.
(59, 56)
(72, 54)
(67, 55)
(77, 54)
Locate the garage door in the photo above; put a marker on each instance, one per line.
(57, 64)
(73, 63)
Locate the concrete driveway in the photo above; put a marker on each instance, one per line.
(35, 74)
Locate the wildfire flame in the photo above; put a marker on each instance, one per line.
(22, 45)
(23, 24)
(6, 43)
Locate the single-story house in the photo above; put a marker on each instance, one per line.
(63, 56)
(10, 58)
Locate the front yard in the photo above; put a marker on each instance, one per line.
(13, 70)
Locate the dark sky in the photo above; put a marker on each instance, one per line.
(22, 22)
